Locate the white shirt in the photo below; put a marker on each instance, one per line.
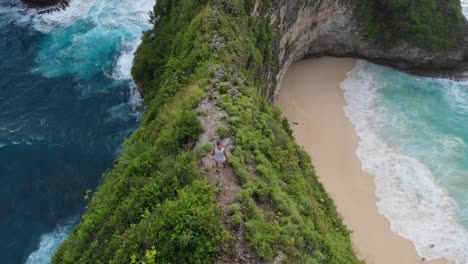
(219, 155)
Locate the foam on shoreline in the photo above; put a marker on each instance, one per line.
(311, 97)
(417, 207)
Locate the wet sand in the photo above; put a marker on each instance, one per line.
(311, 96)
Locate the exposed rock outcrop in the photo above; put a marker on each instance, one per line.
(47, 6)
(332, 27)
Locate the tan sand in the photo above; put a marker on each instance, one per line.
(311, 96)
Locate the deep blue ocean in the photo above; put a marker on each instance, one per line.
(67, 102)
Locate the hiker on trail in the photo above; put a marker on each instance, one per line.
(220, 155)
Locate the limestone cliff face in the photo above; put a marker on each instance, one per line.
(332, 27)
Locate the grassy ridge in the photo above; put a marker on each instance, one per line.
(154, 206)
(435, 24)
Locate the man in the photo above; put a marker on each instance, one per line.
(220, 155)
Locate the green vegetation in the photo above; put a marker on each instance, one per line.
(223, 132)
(223, 89)
(435, 24)
(205, 149)
(188, 128)
(284, 204)
(233, 209)
(155, 205)
(155, 198)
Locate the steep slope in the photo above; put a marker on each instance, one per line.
(207, 70)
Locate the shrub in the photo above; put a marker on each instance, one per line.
(435, 24)
(223, 132)
(189, 228)
(236, 220)
(188, 128)
(205, 149)
(233, 209)
(132, 151)
(236, 82)
(223, 89)
(286, 127)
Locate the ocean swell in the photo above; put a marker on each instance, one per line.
(92, 36)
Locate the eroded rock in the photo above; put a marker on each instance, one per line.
(315, 28)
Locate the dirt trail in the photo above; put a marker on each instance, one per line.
(237, 250)
(227, 180)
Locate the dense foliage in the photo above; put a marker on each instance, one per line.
(428, 23)
(284, 205)
(155, 206)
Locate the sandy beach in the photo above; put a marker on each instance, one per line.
(311, 96)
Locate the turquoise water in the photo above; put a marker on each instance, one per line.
(67, 102)
(414, 139)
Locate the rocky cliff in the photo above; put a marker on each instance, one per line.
(334, 27)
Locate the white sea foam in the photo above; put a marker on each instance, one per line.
(14, 130)
(49, 242)
(464, 4)
(114, 22)
(16, 12)
(416, 206)
(125, 62)
(139, 18)
(122, 20)
(50, 21)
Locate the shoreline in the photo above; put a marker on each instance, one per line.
(311, 97)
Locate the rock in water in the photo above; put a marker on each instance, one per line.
(47, 6)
